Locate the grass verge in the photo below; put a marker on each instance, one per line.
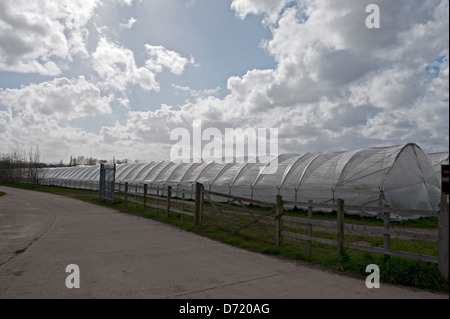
(393, 270)
(2, 194)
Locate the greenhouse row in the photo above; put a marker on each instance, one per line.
(401, 176)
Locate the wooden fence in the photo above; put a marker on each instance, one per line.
(269, 223)
(162, 199)
(340, 226)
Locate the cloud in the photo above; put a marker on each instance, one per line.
(390, 89)
(339, 85)
(123, 2)
(129, 24)
(28, 128)
(160, 57)
(60, 141)
(117, 67)
(196, 94)
(325, 53)
(333, 88)
(124, 102)
(61, 99)
(144, 135)
(269, 8)
(5, 120)
(37, 37)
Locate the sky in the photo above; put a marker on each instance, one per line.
(114, 78)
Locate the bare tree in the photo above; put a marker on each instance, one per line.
(16, 167)
(91, 161)
(33, 165)
(11, 166)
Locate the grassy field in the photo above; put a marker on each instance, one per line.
(393, 270)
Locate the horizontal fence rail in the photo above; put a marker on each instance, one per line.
(160, 198)
(340, 226)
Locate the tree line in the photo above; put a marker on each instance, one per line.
(20, 167)
(90, 161)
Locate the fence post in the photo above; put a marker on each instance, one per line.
(198, 204)
(340, 225)
(157, 195)
(135, 196)
(202, 199)
(443, 264)
(279, 224)
(169, 194)
(308, 243)
(387, 225)
(144, 201)
(126, 192)
(183, 196)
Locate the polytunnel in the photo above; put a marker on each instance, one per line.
(438, 159)
(401, 176)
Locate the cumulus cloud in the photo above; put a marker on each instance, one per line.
(61, 99)
(160, 57)
(196, 94)
(35, 37)
(269, 8)
(117, 67)
(5, 120)
(145, 135)
(27, 130)
(337, 84)
(332, 49)
(325, 53)
(31, 126)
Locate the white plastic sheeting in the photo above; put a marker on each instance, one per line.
(438, 159)
(402, 176)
